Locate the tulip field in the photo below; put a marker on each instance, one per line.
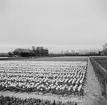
(55, 77)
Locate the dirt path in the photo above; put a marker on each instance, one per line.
(92, 89)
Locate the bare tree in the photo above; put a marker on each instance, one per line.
(105, 49)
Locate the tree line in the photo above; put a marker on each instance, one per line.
(41, 51)
(19, 52)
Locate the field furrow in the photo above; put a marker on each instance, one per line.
(61, 78)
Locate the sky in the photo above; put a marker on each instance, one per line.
(54, 24)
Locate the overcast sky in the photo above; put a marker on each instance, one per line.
(54, 24)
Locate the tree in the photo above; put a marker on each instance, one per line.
(46, 52)
(40, 51)
(10, 54)
(105, 49)
(34, 50)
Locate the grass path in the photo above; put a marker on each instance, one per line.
(92, 89)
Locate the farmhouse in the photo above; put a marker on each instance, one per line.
(23, 52)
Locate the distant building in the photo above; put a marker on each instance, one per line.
(23, 52)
